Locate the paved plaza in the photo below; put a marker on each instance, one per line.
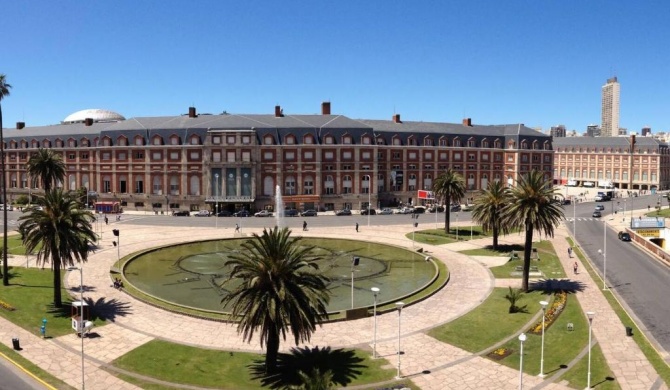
(427, 362)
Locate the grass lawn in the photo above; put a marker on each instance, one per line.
(15, 245)
(659, 364)
(494, 310)
(549, 264)
(235, 370)
(35, 370)
(439, 237)
(601, 377)
(31, 293)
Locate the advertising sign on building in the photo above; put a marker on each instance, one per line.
(654, 233)
(647, 223)
(426, 195)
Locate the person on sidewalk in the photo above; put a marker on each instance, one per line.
(237, 228)
(304, 226)
(356, 227)
(575, 267)
(569, 252)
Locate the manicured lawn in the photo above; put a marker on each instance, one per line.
(549, 264)
(32, 368)
(234, 370)
(439, 237)
(31, 293)
(601, 376)
(15, 245)
(490, 322)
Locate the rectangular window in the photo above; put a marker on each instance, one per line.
(106, 186)
(139, 186)
(230, 140)
(268, 156)
(121, 156)
(195, 155)
(246, 156)
(290, 156)
(139, 155)
(174, 155)
(216, 140)
(230, 156)
(156, 156)
(309, 155)
(106, 156)
(216, 156)
(346, 155)
(246, 140)
(328, 155)
(411, 155)
(366, 155)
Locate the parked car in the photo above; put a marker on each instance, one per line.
(181, 213)
(9, 207)
(263, 213)
(343, 212)
(596, 214)
(455, 207)
(203, 213)
(466, 207)
(386, 211)
(600, 207)
(291, 213)
(224, 213)
(368, 211)
(242, 214)
(308, 213)
(419, 210)
(405, 210)
(623, 236)
(440, 209)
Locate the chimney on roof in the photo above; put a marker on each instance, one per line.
(632, 142)
(20, 125)
(88, 121)
(279, 112)
(467, 122)
(325, 108)
(191, 112)
(396, 118)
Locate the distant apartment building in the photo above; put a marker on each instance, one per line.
(610, 108)
(558, 131)
(640, 163)
(593, 131)
(646, 131)
(232, 162)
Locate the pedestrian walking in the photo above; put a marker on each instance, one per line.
(570, 252)
(575, 267)
(304, 226)
(237, 228)
(356, 227)
(106, 220)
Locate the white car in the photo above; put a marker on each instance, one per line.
(202, 213)
(263, 213)
(385, 211)
(9, 207)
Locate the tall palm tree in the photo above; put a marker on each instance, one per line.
(60, 232)
(48, 166)
(4, 91)
(532, 206)
(487, 210)
(449, 186)
(280, 290)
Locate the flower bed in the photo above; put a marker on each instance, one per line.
(556, 308)
(7, 306)
(500, 353)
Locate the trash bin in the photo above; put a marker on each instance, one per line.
(16, 344)
(629, 331)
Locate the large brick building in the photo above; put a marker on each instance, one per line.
(320, 161)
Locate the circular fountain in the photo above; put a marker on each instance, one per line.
(193, 275)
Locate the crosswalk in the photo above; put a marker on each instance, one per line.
(585, 219)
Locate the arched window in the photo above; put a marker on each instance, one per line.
(174, 185)
(156, 186)
(329, 185)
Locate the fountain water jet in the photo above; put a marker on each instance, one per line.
(279, 208)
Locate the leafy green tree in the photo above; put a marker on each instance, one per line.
(48, 166)
(4, 91)
(532, 206)
(279, 290)
(449, 186)
(487, 210)
(60, 233)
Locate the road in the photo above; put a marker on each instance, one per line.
(15, 379)
(642, 282)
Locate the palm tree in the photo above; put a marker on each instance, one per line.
(4, 91)
(532, 206)
(280, 290)
(60, 232)
(48, 166)
(449, 186)
(488, 208)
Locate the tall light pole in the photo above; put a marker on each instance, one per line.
(369, 194)
(590, 315)
(624, 209)
(574, 222)
(604, 253)
(375, 291)
(216, 201)
(354, 262)
(456, 226)
(81, 322)
(522, 338)
(399, 305)
(544, 312)
(118, 248)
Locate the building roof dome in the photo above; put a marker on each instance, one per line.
(98, 115)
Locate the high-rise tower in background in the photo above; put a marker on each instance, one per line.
(610, 108)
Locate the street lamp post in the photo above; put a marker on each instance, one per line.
(574, 221)
(216, 201)
(375, 291)
(399, 305)
(456, 226)
(544, 311)
(590, 315)
(522, 338)
(369, 194)
(604, 253)
(118, 248)
(80, 323)
(354, 262)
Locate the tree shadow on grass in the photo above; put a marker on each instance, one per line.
(506, 248)
(343, 364)
(550, 286)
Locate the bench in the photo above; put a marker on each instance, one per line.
(533, 268)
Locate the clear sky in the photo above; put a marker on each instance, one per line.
(541, 63)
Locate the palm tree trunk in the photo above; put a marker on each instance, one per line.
(58, 301)
(272, 352)
(528, 245)
(496, 232)
(447, 217)
(3, 182)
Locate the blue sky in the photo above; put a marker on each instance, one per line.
(540, 63)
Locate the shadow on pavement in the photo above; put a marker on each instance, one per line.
(343, 364)
(550, 286)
